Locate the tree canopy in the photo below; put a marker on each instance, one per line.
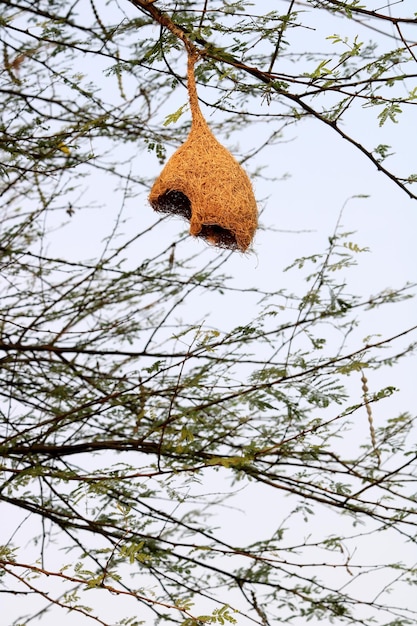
(177, 444)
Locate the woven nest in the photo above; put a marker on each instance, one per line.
(204, 184)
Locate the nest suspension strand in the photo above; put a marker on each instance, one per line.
(204, 184)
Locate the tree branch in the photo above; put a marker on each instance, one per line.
(209, 51)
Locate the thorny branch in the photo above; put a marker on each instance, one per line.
(208, 51)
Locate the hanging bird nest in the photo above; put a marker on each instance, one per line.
(204, 184)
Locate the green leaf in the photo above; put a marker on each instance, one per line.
(390, 112)
(172, 118)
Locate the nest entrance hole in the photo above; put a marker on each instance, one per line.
(219, 236)
(174, 202)
(177, 203)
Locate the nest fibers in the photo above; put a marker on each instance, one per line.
(204, 184)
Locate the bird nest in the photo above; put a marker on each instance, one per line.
(204, 184)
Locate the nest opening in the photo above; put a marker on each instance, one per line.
(174, 202)
(177, 203)
(219, 236)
